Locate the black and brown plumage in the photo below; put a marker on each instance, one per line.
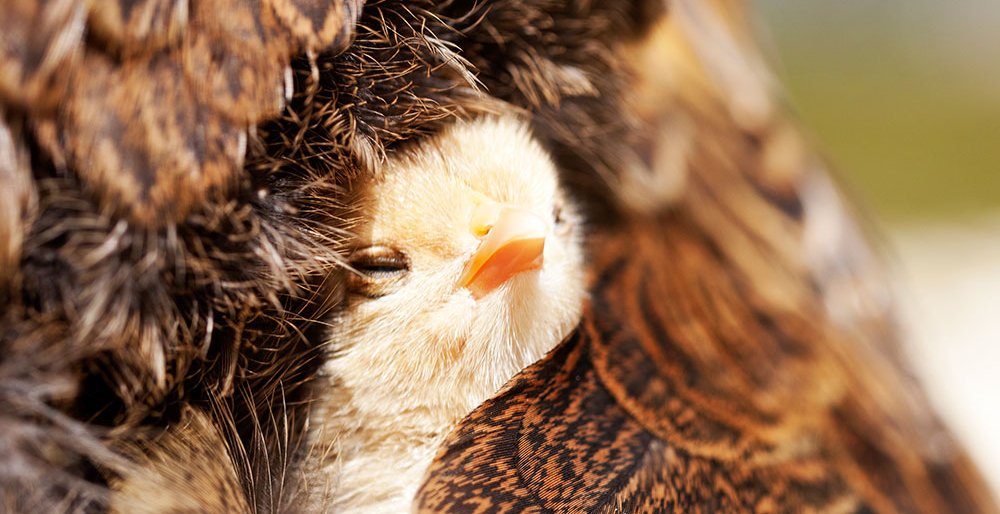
(728, 360)
(165, 237)
(137, 248)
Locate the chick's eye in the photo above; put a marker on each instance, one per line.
(376, 271)
(379, 262)
(557, 214)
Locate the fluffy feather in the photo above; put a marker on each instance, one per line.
(116, 315)
(410, 360)
(186, 469)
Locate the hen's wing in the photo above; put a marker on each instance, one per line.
(739, 351)
(687, 389)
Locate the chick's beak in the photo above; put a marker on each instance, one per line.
(513, 240)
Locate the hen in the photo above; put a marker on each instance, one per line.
(172, 172)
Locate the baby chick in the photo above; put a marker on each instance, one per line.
(467, 268)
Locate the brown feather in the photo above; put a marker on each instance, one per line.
(718, 329)
(152, 268)
(186, 470)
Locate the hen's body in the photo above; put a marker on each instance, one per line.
(739, 353)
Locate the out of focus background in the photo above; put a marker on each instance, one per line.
(904, 97)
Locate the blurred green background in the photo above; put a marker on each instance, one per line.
(904, 96)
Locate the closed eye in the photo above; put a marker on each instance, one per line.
(375, 269)
(378, 260)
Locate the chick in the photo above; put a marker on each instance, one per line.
(468, 267)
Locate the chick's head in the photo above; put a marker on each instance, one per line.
(467, 267)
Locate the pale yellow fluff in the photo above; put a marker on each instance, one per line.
(408, 361)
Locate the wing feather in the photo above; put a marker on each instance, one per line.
(718, 323)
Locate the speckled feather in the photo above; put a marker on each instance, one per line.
(685, 391)
(165, 240)
(719, 368)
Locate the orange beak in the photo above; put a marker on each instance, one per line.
(513, 240)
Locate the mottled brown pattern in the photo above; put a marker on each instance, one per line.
(37, 39)
(553, 439)
(780, 447)
(146, 154)
(137, 250)
(223, 65)
(718, 322)
(317, 24)
(671, 481)
(135, 26)
(598, 458)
